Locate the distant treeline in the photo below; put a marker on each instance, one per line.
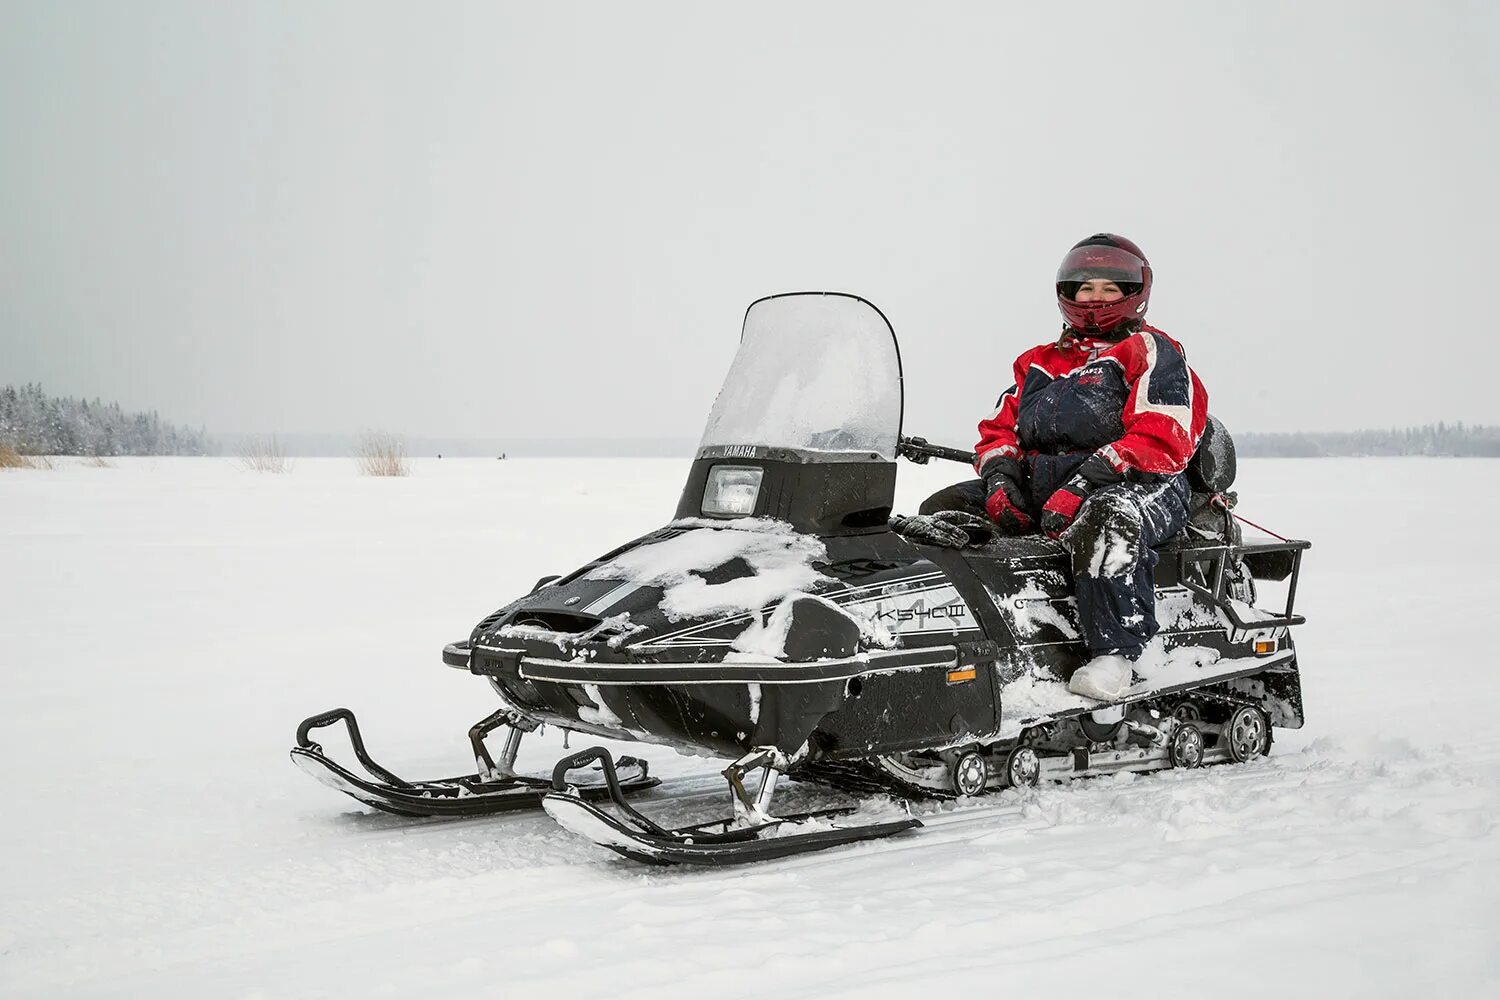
(34, 423)
(1433, 439)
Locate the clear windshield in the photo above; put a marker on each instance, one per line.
(815, 372)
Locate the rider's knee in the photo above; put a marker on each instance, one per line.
(1105, 540)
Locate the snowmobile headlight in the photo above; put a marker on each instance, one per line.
(732, 490)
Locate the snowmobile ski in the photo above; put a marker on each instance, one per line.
(495, 788)
(751, 836)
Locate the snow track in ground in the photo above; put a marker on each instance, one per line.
(167, 623)
(1071, 873)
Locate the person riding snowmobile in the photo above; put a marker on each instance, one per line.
(1090, 446)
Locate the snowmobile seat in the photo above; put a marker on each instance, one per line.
(1211, 473)
(1212, 468)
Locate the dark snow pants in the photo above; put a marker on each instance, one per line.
(1111, 543)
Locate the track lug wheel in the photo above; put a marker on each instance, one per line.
(1023, 768)
(1186, 748)
(970, 773)
(1247, 734)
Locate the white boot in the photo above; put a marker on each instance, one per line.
(1106, 677)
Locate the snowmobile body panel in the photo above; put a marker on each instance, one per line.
(953, 631)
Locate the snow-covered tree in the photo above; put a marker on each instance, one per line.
(34, 423)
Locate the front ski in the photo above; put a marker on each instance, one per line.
(736, 841)
(493, 789)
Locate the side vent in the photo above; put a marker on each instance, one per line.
(556, 621)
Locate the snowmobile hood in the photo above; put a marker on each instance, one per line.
(695, 589)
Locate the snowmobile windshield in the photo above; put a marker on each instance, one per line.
(817, 373)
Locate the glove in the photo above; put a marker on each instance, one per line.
(977, 528)
(1005, 503)
(1062, 507)
(949, 529)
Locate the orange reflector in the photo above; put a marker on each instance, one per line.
(1264, 646)
(960, 675)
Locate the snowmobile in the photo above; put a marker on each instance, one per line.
(780, 623)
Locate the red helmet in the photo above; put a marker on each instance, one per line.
(1104, 255)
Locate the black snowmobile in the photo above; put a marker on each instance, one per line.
(778, 622)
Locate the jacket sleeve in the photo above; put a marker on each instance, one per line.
(997, 432)
(1166, 407)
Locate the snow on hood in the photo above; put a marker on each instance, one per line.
(766, 639)
(780, 560)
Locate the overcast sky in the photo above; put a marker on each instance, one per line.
(535, 220)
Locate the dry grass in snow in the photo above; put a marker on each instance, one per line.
(381, 454)
(262, 454)
(12, 459)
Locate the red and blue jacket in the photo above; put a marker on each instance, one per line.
(1135, 402)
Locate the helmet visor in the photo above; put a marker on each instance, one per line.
(1110, 263)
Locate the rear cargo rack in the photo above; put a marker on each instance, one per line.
(1215, 589)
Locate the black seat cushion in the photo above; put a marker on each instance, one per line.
(1212, 467)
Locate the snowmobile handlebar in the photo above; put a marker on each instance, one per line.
(918, 451)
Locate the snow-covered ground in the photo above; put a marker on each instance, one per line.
(164, 624)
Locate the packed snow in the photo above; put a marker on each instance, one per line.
(165, 624)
